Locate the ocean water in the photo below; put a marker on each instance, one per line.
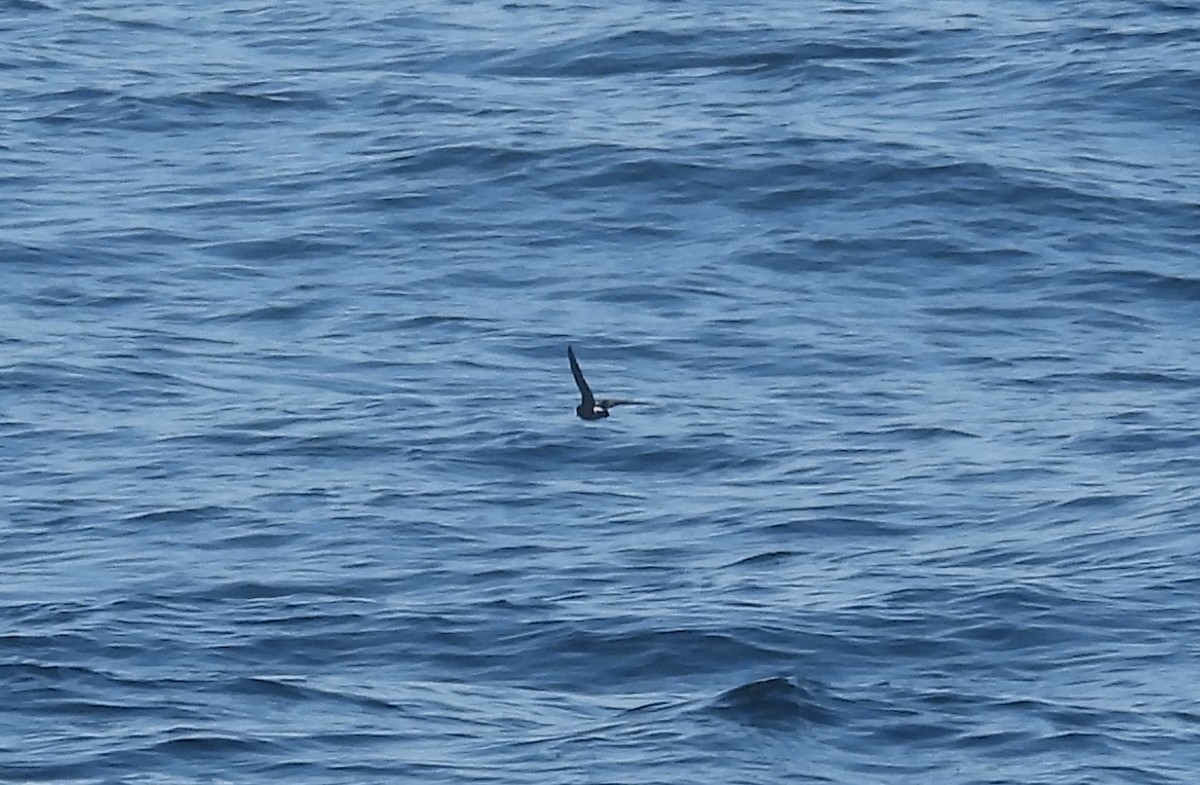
(291, 485)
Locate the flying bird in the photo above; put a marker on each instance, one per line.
(589, 408)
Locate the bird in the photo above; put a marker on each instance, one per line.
(589, 408)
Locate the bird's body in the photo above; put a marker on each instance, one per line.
(589, 408)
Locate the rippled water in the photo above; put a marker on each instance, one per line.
(292, 485)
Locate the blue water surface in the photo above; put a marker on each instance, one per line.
(291, 485)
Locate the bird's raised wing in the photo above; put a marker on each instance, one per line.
(585, 391)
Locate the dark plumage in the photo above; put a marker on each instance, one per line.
(589, 408)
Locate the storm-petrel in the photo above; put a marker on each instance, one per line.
(589, 408)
